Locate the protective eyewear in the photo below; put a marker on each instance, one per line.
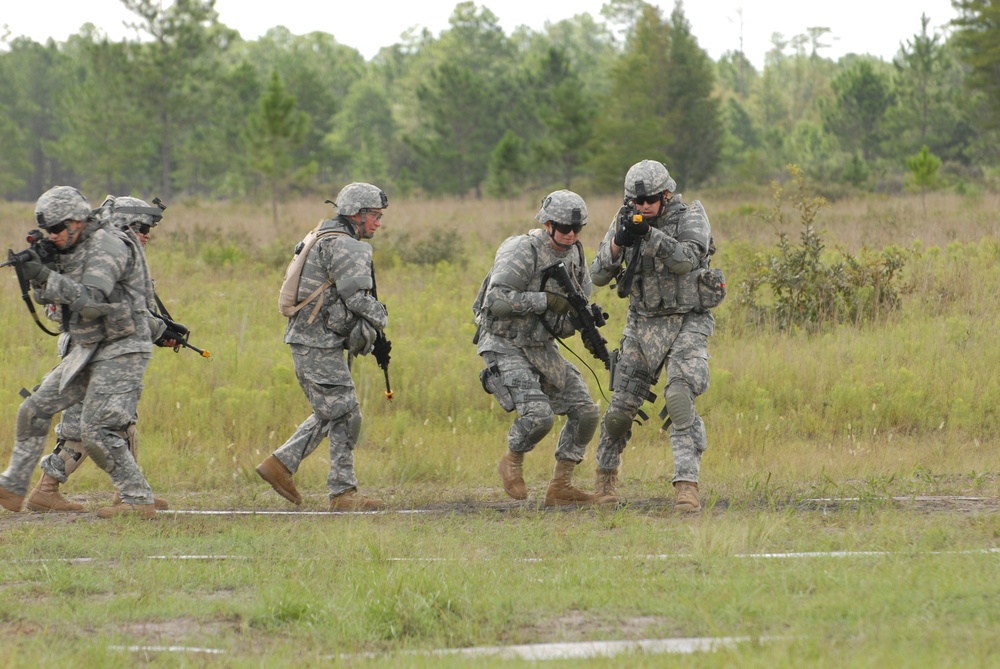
(565, 229)
(56, 228)
(141, 228)
(647, 199)
(377, 215)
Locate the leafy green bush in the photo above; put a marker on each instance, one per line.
(805, 286)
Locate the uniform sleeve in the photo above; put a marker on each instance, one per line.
(604, 268)
(512, 272)
(351, 269)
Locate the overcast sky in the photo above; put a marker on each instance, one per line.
(875, 27)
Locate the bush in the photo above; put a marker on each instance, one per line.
(806, 288)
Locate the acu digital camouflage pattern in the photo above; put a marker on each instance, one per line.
(542, 382)
(69, 453)
(563, 206)
(124, 211)
(104, 371)
(667, 327)
(318, 350)
(61, 203)
(356, 196)
(648, 177)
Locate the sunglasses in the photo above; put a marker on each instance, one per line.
(141, 228)
(647, 199)
(565, 229)
(56, 228)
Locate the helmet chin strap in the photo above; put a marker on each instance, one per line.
(552, 235)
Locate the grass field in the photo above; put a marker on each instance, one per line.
(850, 483)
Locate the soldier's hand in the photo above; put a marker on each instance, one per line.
(33, 269)
(169, 339)
(556, 303)
(623, 237)
(637, 229)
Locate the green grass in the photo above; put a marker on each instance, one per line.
(906, 407)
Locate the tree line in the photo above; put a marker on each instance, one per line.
(192, 109)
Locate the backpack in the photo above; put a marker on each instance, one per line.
(288, 303)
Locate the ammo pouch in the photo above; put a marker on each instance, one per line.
(711, 287)
(492, 382)
(118, 322)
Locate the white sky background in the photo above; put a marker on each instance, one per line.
(875, 27)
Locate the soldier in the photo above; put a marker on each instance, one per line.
(667, 326)
(336, 312)
(519, 315)
(104, 286)
(132, 216)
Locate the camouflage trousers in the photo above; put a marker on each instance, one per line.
(680, 345)
(544, 384)
(108, 392)
(326, 380)
(69, 453)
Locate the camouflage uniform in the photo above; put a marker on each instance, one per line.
(665, 328)
(318, 349)
(542, 382)
(104, 285)
(69, 453)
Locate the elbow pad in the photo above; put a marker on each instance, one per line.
(350, 285)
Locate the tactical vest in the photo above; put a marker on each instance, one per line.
(658, 291)
(529, 329)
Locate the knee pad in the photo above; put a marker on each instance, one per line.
(100, 455)
(354, 424)
(587, 422)
(679, 402)
(617, 423)
(29, 423)
(132, 437)
(71, 453)
(535, 427)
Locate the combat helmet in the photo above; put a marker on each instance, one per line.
(60, 204)
(564, 207)
(359, 196)
(128, 211)
(648, 177)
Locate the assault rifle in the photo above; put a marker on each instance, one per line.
(382, 346)
(628, 216)
(179, 333)
(47, 252)
(588, 317)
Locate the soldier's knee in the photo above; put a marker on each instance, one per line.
(29, 422)
(679, 401)
(617, 423)
(354, 424)
(100, 454)
(536, 424)
(587, 419)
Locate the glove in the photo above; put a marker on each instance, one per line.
(362, 338)
(556, 303)
(639, 229)
(624, 237)
(33, 269)
(169, 338)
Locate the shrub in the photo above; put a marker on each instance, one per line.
(809, 287)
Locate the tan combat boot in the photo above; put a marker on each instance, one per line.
(45, 497)
(605, 486)
(352, 500)
(160, 504)
(511, 472)
(687, 496)
(561, 491)
(10, 500)
(145, 511)
(276, 473)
